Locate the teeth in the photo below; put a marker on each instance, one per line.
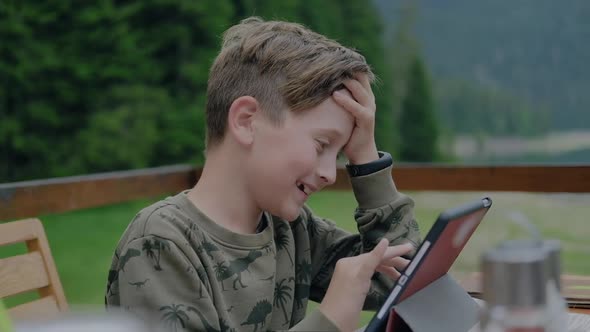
(301, 187)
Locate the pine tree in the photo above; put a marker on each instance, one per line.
(418, 124)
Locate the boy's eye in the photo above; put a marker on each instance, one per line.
(321, 145)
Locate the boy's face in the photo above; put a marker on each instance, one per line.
(288, 163)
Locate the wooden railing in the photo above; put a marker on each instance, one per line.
(35, 198)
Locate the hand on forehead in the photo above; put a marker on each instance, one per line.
(360, 79)
(344, 90)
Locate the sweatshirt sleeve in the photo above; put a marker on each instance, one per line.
(382, 212)
(158, 283)
(315, 321)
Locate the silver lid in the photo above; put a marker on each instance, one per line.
(515, 274)
(552, 248)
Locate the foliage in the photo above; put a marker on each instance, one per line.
(419, 135)
(100, 86)
(475, 109)
(418, 125)
(533, 52)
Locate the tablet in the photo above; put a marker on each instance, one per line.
(434, 256)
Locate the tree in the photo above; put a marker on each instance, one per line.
(113, 85)
(418, 124)
(402, 47)
(363, 30)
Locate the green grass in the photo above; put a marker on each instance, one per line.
(82, 242)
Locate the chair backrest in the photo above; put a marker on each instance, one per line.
(32, 271)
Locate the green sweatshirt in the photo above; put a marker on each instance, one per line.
(177, 266)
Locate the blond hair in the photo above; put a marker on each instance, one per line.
(283, 65)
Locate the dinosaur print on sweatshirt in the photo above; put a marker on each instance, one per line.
(383, 225)
(258, 314)
(235, 268)
(130, 253)
(194, 275)
(139, 284)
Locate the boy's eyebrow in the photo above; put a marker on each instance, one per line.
(331, 132)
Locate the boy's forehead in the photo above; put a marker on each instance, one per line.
(331, 119)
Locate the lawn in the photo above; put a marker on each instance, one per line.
(82, 242)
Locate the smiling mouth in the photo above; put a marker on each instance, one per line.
(302, 187)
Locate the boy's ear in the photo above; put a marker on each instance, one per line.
(241, 116)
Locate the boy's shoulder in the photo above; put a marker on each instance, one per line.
(167, 219)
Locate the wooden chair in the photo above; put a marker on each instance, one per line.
(32, 271)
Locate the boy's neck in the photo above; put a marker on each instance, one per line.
(223, 197)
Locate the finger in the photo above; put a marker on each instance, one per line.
(348, 103)
(377, 253)
(364, 79)
(389, 271)
(398, 250)
(399, 263)
(358, 92)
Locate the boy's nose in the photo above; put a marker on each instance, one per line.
(327, 172)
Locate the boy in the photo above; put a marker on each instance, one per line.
(241, 251)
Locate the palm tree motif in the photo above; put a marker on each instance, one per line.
(160, 245)
(174, 316)
(303, 271)
(190, 231)
(282, 295)
(154, 250)
(147, 246)
(282, 240)
(312, 228)
(222, 272)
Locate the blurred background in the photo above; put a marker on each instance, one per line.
(95, 86)
(114, 85)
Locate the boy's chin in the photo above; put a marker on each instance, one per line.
(289, 215)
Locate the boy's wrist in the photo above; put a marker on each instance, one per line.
(376, 189)
(368, 155)
(382, 161)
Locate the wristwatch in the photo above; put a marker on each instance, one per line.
(385, 160)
